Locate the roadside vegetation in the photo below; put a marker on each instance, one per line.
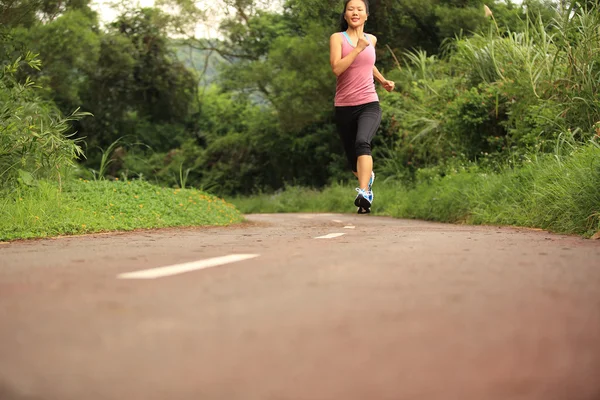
(99, 206)
(557, 194)
(495, 120)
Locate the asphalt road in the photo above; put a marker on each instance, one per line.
(390, 309)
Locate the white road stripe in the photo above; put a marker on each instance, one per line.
(337, 220)
(186, 267)
(330, 236)
(349, 227)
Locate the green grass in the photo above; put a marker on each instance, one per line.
(99, 206)
(558, 194)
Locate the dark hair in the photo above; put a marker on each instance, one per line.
(343, 22)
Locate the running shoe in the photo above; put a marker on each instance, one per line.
(364, 198)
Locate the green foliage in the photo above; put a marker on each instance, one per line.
(70, 48)
(138, 88)
(302, 86)
(205, 62)
(242, 150)
(403, 25)
(469, 90)
(555, 193)
(32, 131)
(99, 206)
(513, 17)
(127, 76)
(474, 117)
(28, 13)
(165, 90)
(495, 97)
(559, 194)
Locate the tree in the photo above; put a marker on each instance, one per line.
(139, 88)
(27, 13)
(69, 47)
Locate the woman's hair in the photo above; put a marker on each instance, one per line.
(343, 22)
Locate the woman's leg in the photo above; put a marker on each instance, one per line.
(346, 125)
(368, 123)
(365, 167)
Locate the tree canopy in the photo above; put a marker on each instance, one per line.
(251, 109)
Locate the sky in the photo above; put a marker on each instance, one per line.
(205, 29)
(107, 14)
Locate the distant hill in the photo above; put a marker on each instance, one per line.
(196, 59)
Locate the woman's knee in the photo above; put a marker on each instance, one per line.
(362, 148)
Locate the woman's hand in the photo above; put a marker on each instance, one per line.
(389, 85)
(363, 43)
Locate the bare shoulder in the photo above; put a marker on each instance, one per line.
(373, 38)
(336, 37)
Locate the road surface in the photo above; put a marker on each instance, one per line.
(308, 307)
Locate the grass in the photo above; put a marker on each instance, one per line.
(559, 194)
(99, 206)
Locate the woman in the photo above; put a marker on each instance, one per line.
(357, 110)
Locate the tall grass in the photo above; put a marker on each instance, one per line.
(558, 193)
(497, 93)
(555, 66)
(296, 199)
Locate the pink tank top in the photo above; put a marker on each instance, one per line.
(356, 85)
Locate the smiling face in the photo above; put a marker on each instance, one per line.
(356, 13)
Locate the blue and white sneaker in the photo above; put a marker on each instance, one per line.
(370, 185)
(371, 180)
(364, 198)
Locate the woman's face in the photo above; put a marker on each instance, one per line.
(356, 13)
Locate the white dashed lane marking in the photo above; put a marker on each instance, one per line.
(186, 267)
(349, 227)
(330, 236)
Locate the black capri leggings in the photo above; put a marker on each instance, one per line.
(357, 126)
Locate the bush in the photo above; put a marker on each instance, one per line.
(495, 97)
(33, 140)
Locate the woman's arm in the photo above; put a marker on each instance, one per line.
(377, 75)
(387, 85)
(338, 64)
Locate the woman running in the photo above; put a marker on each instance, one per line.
(357, 110)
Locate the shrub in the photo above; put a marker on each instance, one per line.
(33, 133)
